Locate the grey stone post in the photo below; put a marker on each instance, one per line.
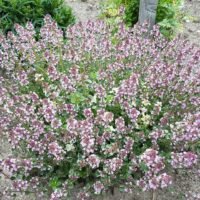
(147, 12)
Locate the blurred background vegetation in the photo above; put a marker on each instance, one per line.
(169, 14)
(21, 11)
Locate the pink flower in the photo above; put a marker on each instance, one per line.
(133, 114)
(88, 113)
(120, 124)
(98, 187)
(113, 165)
(57, 195)
(154, 183)
(152, 160)
(93, 161)
(56, 150)
(52, 72)
(155, 135)
(185, 159)
(165, 180)
(23, 78)
(108, 117)
(56, 123)
(87, 143)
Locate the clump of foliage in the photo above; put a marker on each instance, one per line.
(22, 11)
(97, 110)
(169, 14)
(112, 12)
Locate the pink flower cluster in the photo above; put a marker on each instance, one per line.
(13, 165)
(20, 185)
(56, 150)
(113, 165)
(183, 160)
(160, 181)
(98, 187)
(93, 161)
(152, 160)
(188, 129)
(97, 105)
(56, 195)
(152, 179)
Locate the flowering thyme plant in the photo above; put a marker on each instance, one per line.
(97, 109)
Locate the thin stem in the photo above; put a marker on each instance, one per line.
(154, 194)
(6, 175)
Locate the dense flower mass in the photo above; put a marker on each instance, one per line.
(97, 107)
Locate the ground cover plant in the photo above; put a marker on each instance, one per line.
(22, 11)
(169, 14)
(97, 109)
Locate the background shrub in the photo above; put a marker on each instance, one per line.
(22, 11)
(99, 110)
(169, 14)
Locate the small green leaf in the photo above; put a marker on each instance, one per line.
(93, 75)
(69, 147)
(54, 183)
(143, 167)
(109, 98)
(76, 98)
(94, 99)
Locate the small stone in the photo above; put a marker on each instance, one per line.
(90, 7)
(196, 20)
(192, 29)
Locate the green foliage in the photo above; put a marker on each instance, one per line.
(21, 11)
(169, 14)
(54, 183)
(110, 11)
(131, 12)
(76, 98)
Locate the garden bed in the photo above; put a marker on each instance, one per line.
(185, 181)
